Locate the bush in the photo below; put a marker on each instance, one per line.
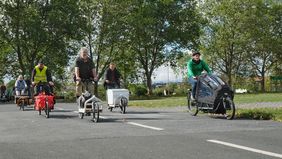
(69, 96)
(137, 89)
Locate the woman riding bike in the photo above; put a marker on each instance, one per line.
(195, 67)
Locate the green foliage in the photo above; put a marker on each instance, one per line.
(11, 84)
(242, 37)
(38, 30)
(137, 89)
(69, 96)
(156, 25)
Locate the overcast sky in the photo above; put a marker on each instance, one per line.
(165, 74)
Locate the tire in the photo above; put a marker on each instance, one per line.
(81, 115)
(95, 112)
(22, 105)
(39, 111)
(123, 105)
(229, 107)
(192, 105)
(47, 110)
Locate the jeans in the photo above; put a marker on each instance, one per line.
(193, 82)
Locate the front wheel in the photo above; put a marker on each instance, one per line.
(229, 107)
(123, 105)
(192, 105)
(47, 110)
(22, 106)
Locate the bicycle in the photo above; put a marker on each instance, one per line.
(44, 100)
(88, 103)
(213, 95)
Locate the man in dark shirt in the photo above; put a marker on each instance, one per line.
(112, 77)
(84, 73)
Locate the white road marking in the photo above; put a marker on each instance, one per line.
(247, 148)
(145, 126)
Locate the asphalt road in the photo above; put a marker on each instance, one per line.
(139, 134)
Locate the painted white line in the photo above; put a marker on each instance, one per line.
(247, 148)
(145, 126)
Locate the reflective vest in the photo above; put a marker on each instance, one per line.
(40, 76)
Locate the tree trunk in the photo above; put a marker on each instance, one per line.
(262, 82)
(149, 84)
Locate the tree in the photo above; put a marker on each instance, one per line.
(264, 37)
(157, 25)
(225, 39)
(105, 35)
(39, 30)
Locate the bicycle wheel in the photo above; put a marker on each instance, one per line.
(22, 105)
(192, 105)
(229, 107)
(39, 111)
(47, 110)
(81, 115)
(123, 104)
(95, 112)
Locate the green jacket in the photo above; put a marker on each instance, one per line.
(195, 69)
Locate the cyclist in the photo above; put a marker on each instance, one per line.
(112, 77)
(20, 86)
(195, 67)
(42, 75)
(84, 72)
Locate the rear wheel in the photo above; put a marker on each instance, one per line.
(192, 105)
(229, 107)
(96, 112)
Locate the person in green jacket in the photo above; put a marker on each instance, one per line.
(195, 67)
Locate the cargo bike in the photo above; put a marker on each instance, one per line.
(213, 96)
(44, 100)
(89, 104)
(117, 98)
(23, 101)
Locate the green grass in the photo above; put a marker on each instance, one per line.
(181, 101)
(254, 98)
(260, 114)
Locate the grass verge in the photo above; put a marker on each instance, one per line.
(260, 114)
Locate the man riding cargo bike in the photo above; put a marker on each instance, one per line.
(209, 93)
(42, 81)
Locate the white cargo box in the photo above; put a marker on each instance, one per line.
(114, 95)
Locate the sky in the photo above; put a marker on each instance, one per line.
(165, 74)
